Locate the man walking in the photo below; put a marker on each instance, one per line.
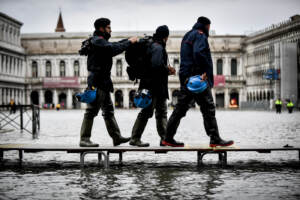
(195, 60)
(99, 63)
(157, 83)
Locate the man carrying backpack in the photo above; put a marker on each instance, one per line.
(195, 61)
(157, 84)
(99, 61)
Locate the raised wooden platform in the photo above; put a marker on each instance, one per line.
(106, 150)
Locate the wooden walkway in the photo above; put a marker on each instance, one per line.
(106, 150)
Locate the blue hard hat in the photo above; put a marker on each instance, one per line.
(87, 96)
(196, 85)
(143, 98)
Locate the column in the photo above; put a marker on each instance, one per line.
(1, 96)
(213, 92)
(28, 97)
(69, 67)
(1, 65)
(226, 66)
(69, 99)
(124, 73)
(112, 95)
(125, 98)
(55, 97)
(226, 98)
(83, 105)
(41, 98)
(4, 64)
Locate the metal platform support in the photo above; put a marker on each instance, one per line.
(20, 157)
(222, 157)
(100, 153)
(1, 156)
(120, 156)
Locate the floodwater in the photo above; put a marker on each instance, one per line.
(145, 175)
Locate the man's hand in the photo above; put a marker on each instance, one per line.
(133, 39)
(204, 77)
(172, 70)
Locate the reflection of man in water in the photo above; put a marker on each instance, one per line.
(13, 106)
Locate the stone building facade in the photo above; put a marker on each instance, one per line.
(12, 61)
(53, 71)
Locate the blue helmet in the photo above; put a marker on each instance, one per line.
(88, 96)
(196, 85)
(143, 98)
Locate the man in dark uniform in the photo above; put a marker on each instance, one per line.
(195, 60)
(157, 84)
(99, 63)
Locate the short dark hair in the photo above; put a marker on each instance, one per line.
(101, 22)
(203, 20)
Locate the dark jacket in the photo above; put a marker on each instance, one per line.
(100, 61)
(157, 82)
(195, 55)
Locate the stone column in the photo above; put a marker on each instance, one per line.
(69, 67)
(83, 105)
(112, 95)
(125, 98)
(41, 98)
(27, 97)
(55, 97)
(213, 92)
(1, 95)
(226, 98)
(69, 99)
(4, 64)
(1, 65)
(226, 66)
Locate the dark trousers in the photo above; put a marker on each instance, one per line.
(278, 108)
(103, 101)
(160, 107)
(207, 107)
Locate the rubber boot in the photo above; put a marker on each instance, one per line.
(114, 131)
(137, 131)
(161, 126)
(216, 140)
(85, 133)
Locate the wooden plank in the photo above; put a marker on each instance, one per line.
(76, 148)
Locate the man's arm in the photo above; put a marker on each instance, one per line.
(113, 48)
(157, 60)
(199, 47)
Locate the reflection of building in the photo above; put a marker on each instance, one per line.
(12, 66)
(55, 71)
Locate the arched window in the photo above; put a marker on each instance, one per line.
(119, 67)
(62, 68)
(48, 69)
(219, 67)
(76, 68)
(34, 69)
(176, 64)
(233, 67)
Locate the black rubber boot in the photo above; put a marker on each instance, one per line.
(85, 142)
(114, 131)
(85, 133)
(121, 140)
(137, 131)
(217, 141)
(138, 143)
(172, 143)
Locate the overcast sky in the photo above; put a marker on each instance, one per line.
(227, 16)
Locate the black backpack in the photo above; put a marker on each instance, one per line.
(138, 58)
(86, 47)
